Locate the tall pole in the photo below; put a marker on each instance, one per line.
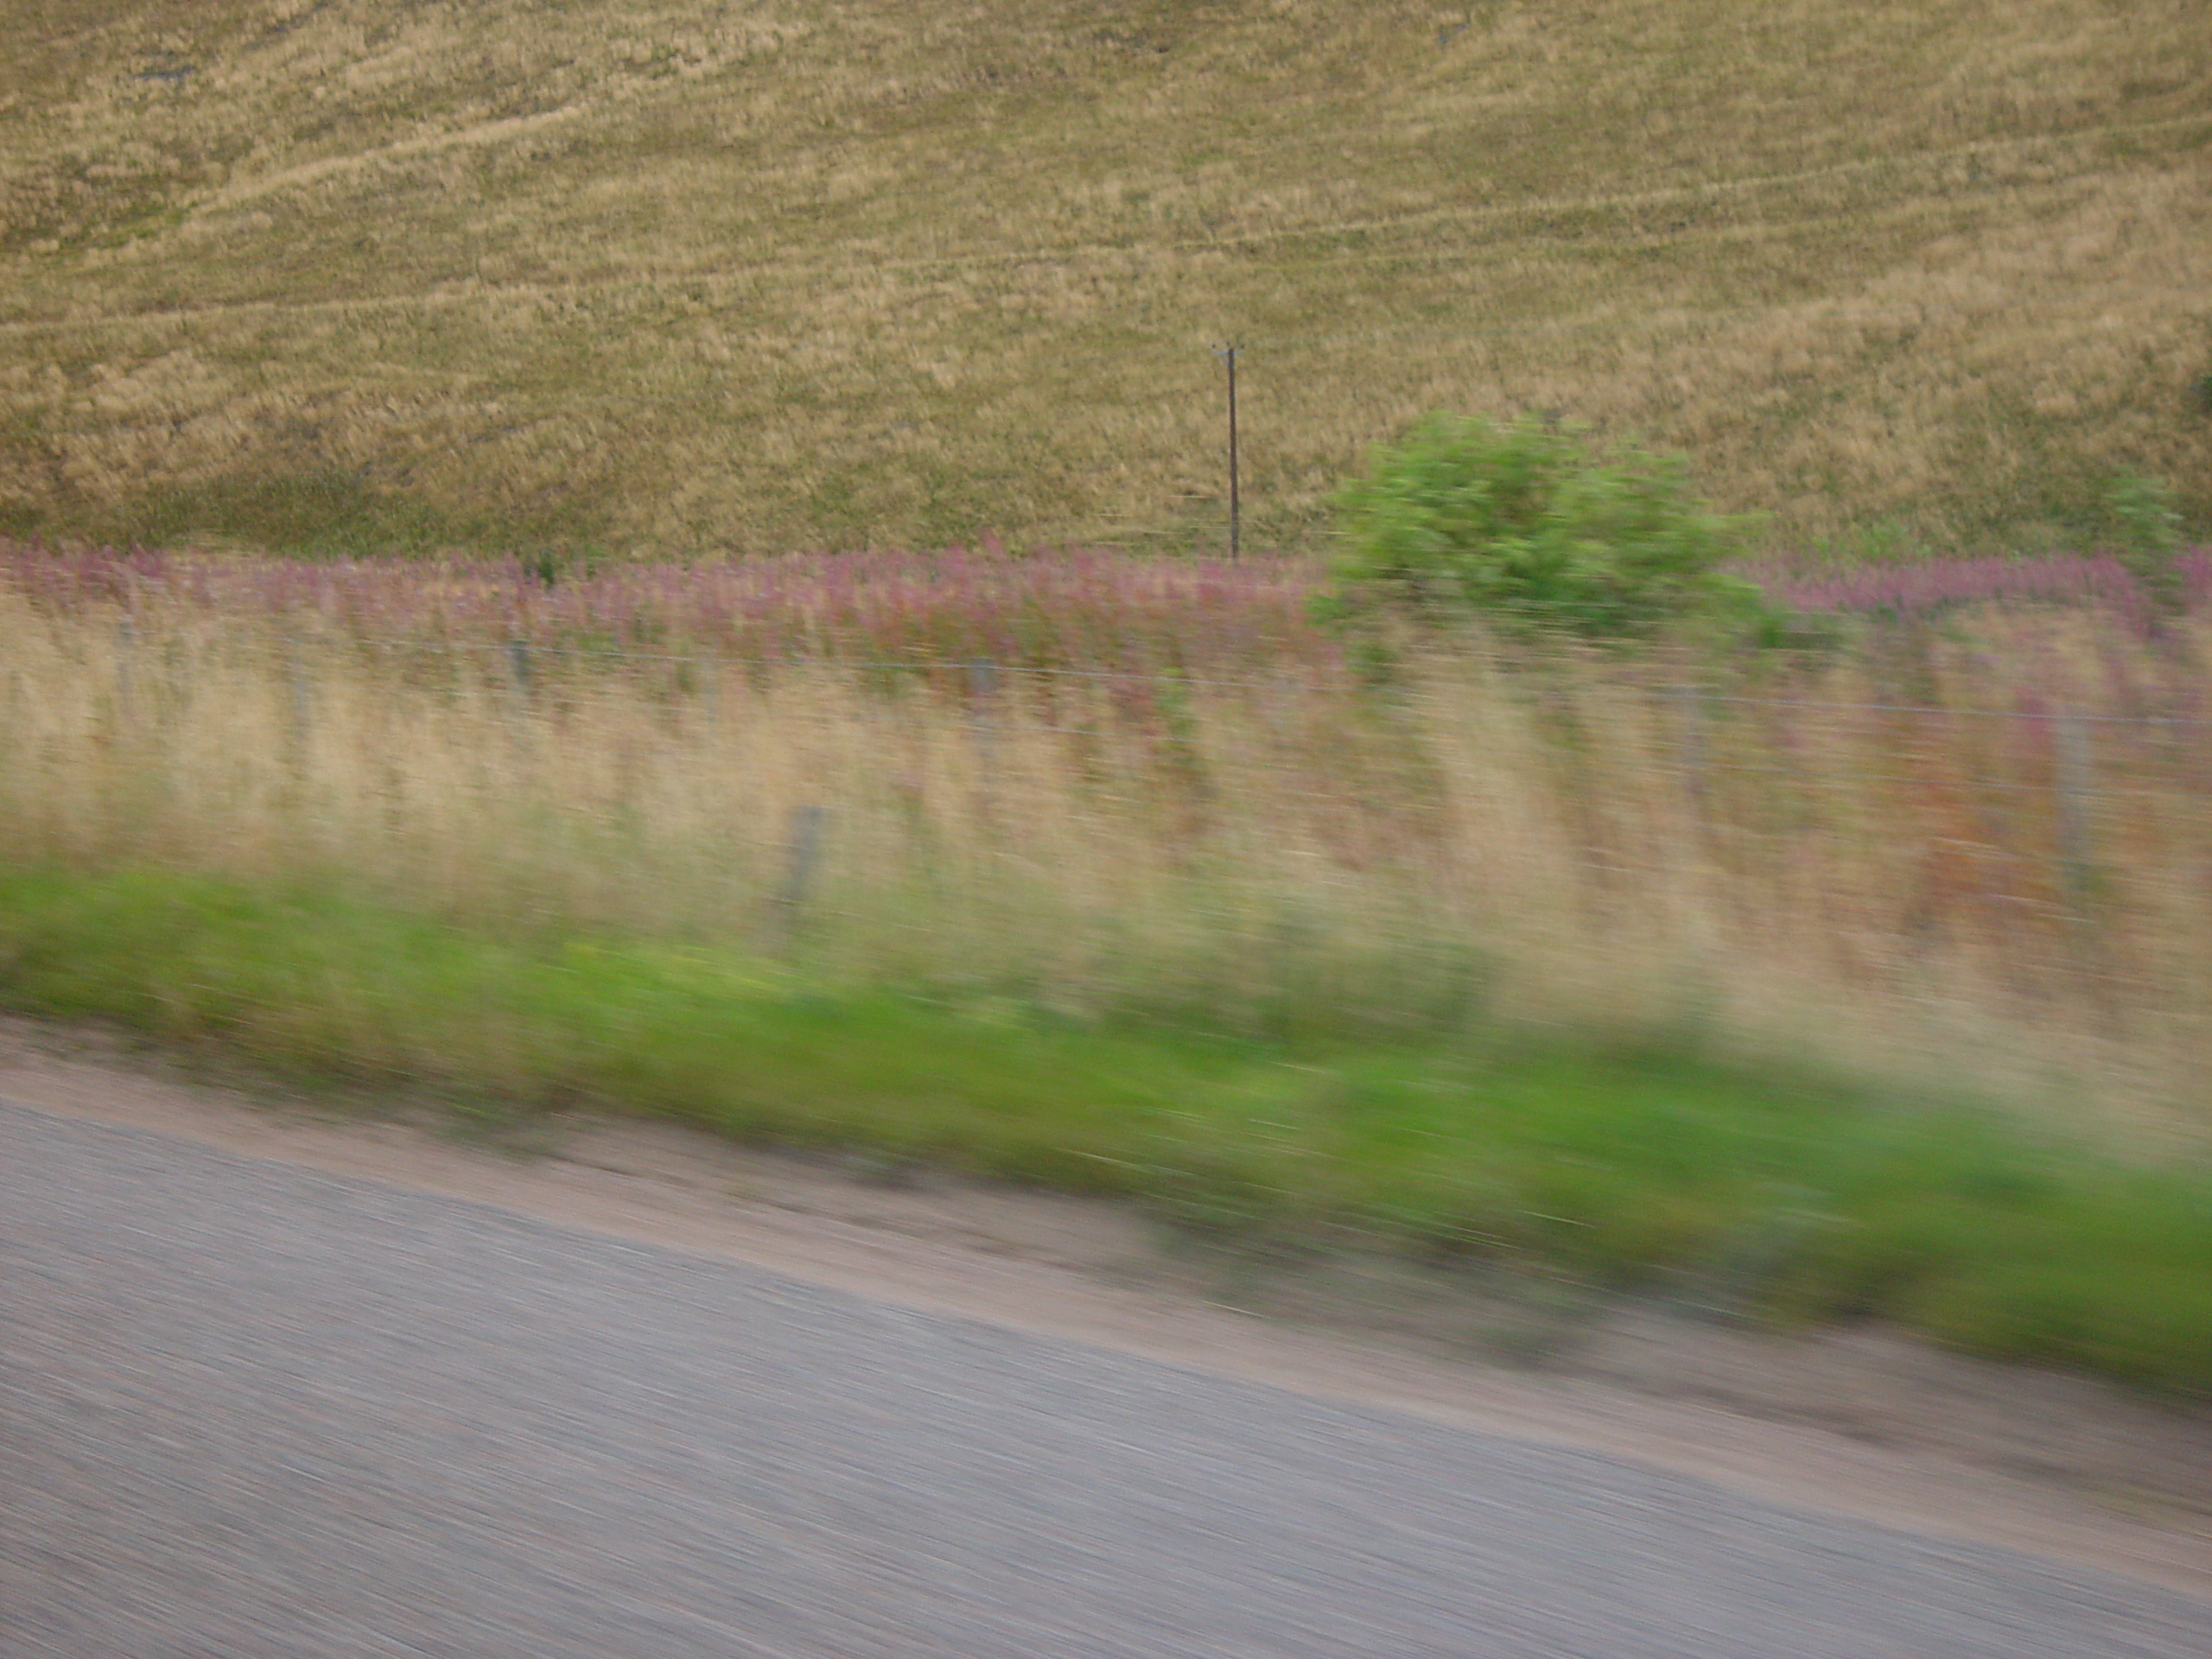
(1228, 354)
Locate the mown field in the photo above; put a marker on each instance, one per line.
(701, 276)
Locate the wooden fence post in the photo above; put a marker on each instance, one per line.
(802, 854)
(126, 644)
(1690, 740)
(983, 686)
(2075, 780)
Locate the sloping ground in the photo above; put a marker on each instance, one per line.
(689, 275)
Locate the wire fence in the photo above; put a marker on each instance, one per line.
(981, 683)
(2047, 868)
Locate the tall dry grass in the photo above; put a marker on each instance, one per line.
(675, 275)
(1978, 855)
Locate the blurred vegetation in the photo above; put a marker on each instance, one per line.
(2149, 526)
(1522, 527)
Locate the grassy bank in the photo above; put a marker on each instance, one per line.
(667, 275)
(1656, 1170)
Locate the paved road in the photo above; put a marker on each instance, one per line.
(249, 1410)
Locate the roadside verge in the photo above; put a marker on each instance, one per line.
(1603, 1173)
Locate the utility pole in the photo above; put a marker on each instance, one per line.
(1228, 354)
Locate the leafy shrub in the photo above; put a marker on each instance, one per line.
(1525, 526)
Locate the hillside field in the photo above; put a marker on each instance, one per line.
(680, 275)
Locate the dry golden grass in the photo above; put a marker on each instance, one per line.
(1959, 896)
(679, 275)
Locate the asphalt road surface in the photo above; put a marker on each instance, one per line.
(247, 1409)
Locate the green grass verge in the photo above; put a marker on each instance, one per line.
(1794, 1197)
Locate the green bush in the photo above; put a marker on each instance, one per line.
(1524, 525)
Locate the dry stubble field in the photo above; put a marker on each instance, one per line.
(678, 277)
